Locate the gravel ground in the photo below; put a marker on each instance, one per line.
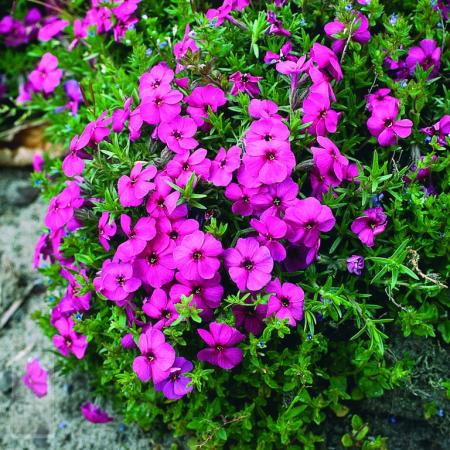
(26, 422)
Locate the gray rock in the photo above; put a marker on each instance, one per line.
(21, 193)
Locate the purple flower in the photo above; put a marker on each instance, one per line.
(250, 317)
(198, 256)
(370, 225)
(221, 340)
(157, 356)
(178, 134)
(132, 189)
(175, 386)
(74, 95)
(143, 231)
(161, 105)
(162, 201)
(181, 167)
(201, 99)
(307, 220)
(426, 55)
(249, 264)
(326, 60)
(223, 166)
(159, 75)
(329, 161)
(240, 196)
(355, 264)
(244, 82)
(181, 48)
(119, 281)
(316, 108)
(52, 29)
(95, 414)
(384, 124)
(106, 230)
(46, 76)
(121, 115)
(36, 378)
(73, 164)
(160, 307)
(441, 129)
(68, 341)
(263, 109)
(270, 230)
(286, 301)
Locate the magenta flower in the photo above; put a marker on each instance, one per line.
(299, 257)
(441, 129)
(106, 230)
(263, 109)
(329, 160)
(355, 264)
(68, 341)
(384, 124)
(163, 200)
(276, 25)
(155, 265)
(119, 281)
(80, 31)
(181, 167)
(97, 130)
(74, 96)
(121, 115)
(293, 67)
(249, 264)
(370, 225)
(143, 231)
(427, 55)
(250, 317)
(265, 131)
(36, 378)
(161, 105)
(157, 356)
(240, 196)
(326, 60)
(198, 256)
(181, 48)
(223, 166)
(271, 229)
(175, 386)
(52, 29)
(95, 414)
(202, 98)
(317, 110)
(221, 340)
(244, 82)
(132, 189)
(73, 164)
(307, 220)
(178, 134)
(160, 307)
(175, 229)
(206, 294)
(159, 75)
(379, 98)
(283, 55)
(338, 31)
(286, 301)
(46, 76)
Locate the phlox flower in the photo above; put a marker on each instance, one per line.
(159, 75)
(370, 225)
(379, 98)
(143, 231)
(95, 414)
(271, 229)
(160, 306)
(46, 76)
(250, 317)
(293, 67)
(175, 229)
(135, 124)
(155, 265)
(202, 98)
(181, 167)
(157, 356)
(441, 129)
(132, 189)
(276, 25)
(427, 54)
(198, 256)
(106, 230)
(283, 55)
(52, 29)
(119, 281)
(384, 124)
(36, 378)
(240, 196)
(101, 18)
(223, 166)
(80, 31)
(244, 82)
(181, 48)
(175, 386)
(74, 96)
(249, 264)
(73, 164)
(178, 134)
(317, 110)
(266, 131)
(307, 220)
(355, 264)
(286, 301)
(161, 105)
(97, 130)
(163, 199)
(326, 60)
(121, 115)
(321, 83)
(263, 109)
(69, 341)
(329, 160)
(221, 340)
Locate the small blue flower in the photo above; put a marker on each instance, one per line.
(433, 2)
(440, 412)
(261, 344)
(212, 22)
(51, 299)
(62, 425)
(427, 139)
(148, 52)
(302, 22)
(376, 200)
(91, 33)
(144, 17)
(162, 44)
(393, 19)
(38, 182)
(78, 316)
(121, 428)
(403, 83)
(309, 336)
(392, 420)
(348, 7)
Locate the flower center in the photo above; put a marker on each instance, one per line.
(153, 258)
(323, 114)
(173, 235)
(177, 135)
(197, 290)
(244, 78)
(248, 264)
(276, 201)
(167, 314)
(270, 156)
(219, 348)
(151, 357)
(186, 167)
(285, 302)
(197, 255)
(175, 375)
(267, 137)
(158, 101)
(120, 280)
(388, 123)
(68, 342)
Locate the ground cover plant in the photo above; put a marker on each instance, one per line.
(253, 197)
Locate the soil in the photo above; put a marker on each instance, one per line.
(55, 422)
